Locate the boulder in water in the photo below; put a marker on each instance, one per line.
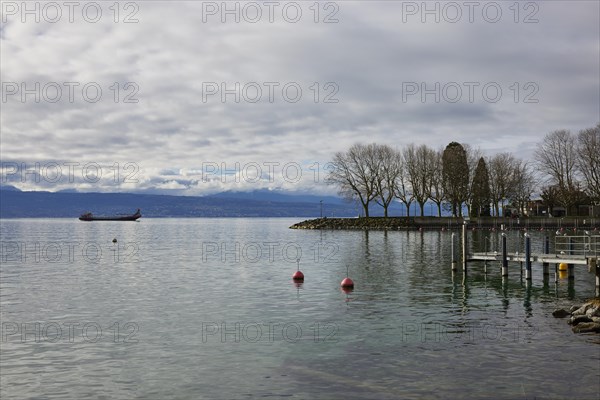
(587, 327)
(560, 313)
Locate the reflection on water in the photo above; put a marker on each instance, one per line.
(207, 309)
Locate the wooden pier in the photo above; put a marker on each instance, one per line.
(568, 250)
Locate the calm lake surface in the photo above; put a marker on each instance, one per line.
(206, 309)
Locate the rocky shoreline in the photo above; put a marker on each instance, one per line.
(372, 223)
(583, 319)
(444, 223)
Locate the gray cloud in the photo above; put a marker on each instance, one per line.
(367, 58)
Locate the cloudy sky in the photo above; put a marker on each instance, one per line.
(190, 97)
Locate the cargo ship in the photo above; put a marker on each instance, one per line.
(90, 217)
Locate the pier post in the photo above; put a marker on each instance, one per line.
(571, 246)
(486, 239)
(453, 253)
(571, 271)
(597, 278)
(546, 266)
(464, 246)
(546, 251)
(504, 256)
(527, 257)
(571, 267)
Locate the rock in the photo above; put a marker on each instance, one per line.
(584, 318)
(586, 327)
(593, 311)
(581, 310)
(573, 309)
(576, 320)
(560, 313)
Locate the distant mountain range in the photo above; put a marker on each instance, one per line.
(261, 203)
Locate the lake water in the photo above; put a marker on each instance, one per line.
(206, 309)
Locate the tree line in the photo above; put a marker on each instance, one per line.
(565, 172)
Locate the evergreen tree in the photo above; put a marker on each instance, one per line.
(481, 190)
(455, 173)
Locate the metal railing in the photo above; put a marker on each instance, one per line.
(583, 245)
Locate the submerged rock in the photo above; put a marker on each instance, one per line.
(587, 327)
(560, 313)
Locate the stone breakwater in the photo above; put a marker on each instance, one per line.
(583, 319)
(449, 223)
(372, 223)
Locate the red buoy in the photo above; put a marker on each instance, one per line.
(347, 283)
(298, 276)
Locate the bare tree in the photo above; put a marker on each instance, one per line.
(355, 174)
(557, 158)
(388, 173)
(548, 196)
(588, 159)
(437, 181)
(522, 185)
(500, 168)
(419, 163)
(403, 190)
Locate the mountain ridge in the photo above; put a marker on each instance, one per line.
(22, 204)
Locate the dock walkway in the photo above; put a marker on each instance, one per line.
(569, 251)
